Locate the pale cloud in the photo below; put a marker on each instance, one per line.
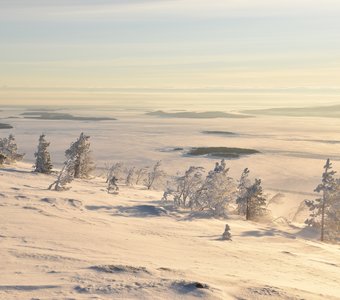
(143, 9)
(182, 44)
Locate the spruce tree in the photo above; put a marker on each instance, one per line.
(323, 208)
(43, 159)
(242, 189)
(255, 201)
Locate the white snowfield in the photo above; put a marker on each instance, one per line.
(87, 244)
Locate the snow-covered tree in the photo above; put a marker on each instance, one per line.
(80, 153)
(226, 236)
(242, 191)
(2, 159)
(115, 170)
(9, 149)
(43, 159)
(141, 174)
(66, 176)
(154, 175)
(130, 176)
(112, 186)
(216, 192)
(186, 186)
(255, 201)
(325, 209)
(79, 163)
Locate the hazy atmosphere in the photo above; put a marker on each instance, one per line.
(104, 51)
(170, 149)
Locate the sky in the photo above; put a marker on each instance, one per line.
(91, 51)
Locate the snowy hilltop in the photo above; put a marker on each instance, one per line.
(86, 243)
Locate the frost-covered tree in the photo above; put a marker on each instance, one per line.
(255, 201)
(242, 192)
(2, 159)
(332, 219)
(115, 170)
(325, 209)
(80, 153)
(226, 236)
(43, 159)
(66, 176)
(79, 163)
(141, 174)
(216, 192)
(112, 186)
(154, 175)
(9, 149)
(130, 175)
(186, 187)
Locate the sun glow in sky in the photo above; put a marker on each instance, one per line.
(100, 50)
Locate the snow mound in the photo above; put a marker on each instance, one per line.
(120, 269)
(63, 202)
(142, 211)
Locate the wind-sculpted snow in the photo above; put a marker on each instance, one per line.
(87, 244)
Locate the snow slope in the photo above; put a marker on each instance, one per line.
(87, 244)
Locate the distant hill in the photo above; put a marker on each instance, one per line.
(221, 152)
(316, 111)
(62, 116)
(5, 126)
(196, 115)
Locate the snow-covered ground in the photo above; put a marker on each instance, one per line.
(87, 244)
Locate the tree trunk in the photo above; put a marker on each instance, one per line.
(247, 210)
(323, 217)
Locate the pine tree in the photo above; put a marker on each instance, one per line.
(255, 201)
(325, 208)
(43, 159)
(80, 153)
(9, 149)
